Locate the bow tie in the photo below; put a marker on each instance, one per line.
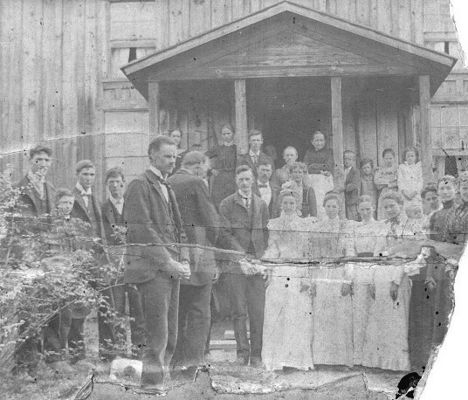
(262, 185)
(83, 194)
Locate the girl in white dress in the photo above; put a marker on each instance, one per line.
(410, 181)
(331, 289)
(386, 337)
(287, 329)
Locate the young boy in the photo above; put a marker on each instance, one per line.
(368, 187)
(56, 334)
(352, 185)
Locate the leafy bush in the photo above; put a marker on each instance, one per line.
(47, 264)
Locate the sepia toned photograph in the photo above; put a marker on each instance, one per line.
(230, 199)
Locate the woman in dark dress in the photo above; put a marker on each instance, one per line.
(431, 301)
(457, 224)
(223, 163)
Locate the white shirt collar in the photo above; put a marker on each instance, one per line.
(118, 203)
(260, 183)
(244, 196)
(228, 144)
(251, 153)
(36, 179)
(157, 172)
(115, 201)
(82, 189)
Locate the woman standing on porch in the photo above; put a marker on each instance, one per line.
(320, 167)
(287, 332)
(224, 161)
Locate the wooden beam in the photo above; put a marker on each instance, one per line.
(424, 128)
(337, 121)
(241, 115)
(337, 136)
(153, 105)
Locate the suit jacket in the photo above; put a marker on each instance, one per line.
(150, 219)
(273, 207)
(108, 212)
(352, 186)
(200, 222)
(80, 211)
(239, 230)
(30, 199)
(245, 159)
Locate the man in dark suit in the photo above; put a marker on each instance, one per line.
(36, 200)
(37, 194)
(255, 153)
(154, 264)
(244, 218)
(265, 188)
(112, 338)
(87, 208)
(352, 185)
(201, 223)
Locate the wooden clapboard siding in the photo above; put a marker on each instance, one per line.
(177, 20)
(53, 56)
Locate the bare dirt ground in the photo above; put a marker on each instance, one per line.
(221, 380)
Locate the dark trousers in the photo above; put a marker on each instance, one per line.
(112, 334)
(160, 302)
(247, 295)
(194, 324)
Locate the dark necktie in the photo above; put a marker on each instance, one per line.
(262, 186)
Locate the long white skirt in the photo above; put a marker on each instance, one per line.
(287, 329)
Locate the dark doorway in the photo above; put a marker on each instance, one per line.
(293, 127)
(289, 110)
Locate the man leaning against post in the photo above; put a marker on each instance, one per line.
(155, 263)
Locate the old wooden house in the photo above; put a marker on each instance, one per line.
(99, 78)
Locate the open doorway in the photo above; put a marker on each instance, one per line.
(288, 110)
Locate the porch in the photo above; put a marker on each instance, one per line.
(289, 70)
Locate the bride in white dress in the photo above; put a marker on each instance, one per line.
(287, 331)
(331, 288)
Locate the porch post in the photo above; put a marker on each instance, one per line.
(241, 115)
(153, 100)
(337, 122)
(424, 128)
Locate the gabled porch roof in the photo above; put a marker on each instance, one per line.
(287, 40)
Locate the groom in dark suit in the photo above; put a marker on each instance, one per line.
(154, 264)
(244, 218)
